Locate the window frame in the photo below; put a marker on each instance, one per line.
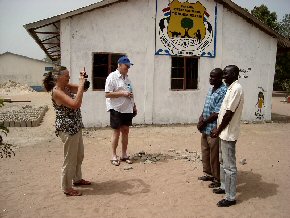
(109, 65)
(184, 73)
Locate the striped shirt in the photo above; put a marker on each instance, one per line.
(212, 105)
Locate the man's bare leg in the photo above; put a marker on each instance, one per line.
(125, 133)
(115, 140)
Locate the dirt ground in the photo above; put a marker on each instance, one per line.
(30, 181)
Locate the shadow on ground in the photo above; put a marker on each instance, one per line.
(125, 187)
(280, 118)
(251, 185)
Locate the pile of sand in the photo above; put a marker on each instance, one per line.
(14, 88)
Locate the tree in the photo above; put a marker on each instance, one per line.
(282, 74)
(284, 26)
(246, 10)
(263, 14)
(5, 149)
(3, 129)
(282, 71)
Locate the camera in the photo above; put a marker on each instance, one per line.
(86, 85)
(85, 75)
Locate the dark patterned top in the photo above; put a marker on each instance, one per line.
(212, 105)
(67, 120)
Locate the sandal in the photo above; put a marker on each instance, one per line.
(206, 178)
(214, 184)
(218, 191)
(115, 162)
(72, 192)
(82, 182)
(127, 160)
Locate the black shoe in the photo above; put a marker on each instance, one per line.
(214, 184)
(218, 191)
(226, 203)
(206, 178)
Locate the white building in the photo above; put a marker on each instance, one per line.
(22, 69)
(168, 89)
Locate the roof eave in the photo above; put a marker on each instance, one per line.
(282, 41)
(57, 18)
(32, 27)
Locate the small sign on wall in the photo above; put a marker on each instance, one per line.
(186, 28)
(48, 68)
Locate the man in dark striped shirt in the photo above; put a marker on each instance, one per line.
(207, 122)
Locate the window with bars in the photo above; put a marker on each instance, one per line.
(103, 65)
(184, 73)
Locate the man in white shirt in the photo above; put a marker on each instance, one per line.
(228, 131)
(120, 103)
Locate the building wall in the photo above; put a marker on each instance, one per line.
(132, 31)
(95, 31)
(183, 106)
(254, 52)
(21, 69)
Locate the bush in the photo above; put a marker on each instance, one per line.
(286, 86)
(3, 129)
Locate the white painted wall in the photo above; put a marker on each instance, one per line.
(248, 47)
(119, 28)
(22, 69)
(129, 27)
(183, 106)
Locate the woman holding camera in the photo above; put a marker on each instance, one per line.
(67, 100)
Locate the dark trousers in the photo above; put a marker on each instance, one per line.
(210, 156)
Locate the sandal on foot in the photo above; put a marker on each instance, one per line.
(214, 184)
(226, 203)
(206, 178)
(115, 162)
(82, 182)
(127, 160)
(218, 191)
(73, 193)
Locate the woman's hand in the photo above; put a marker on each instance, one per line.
(82, 78)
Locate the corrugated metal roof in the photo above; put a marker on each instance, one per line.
(47, 33)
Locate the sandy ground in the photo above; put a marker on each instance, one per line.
(30, 181)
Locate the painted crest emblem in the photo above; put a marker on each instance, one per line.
(186, 29)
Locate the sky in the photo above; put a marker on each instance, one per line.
(15, 13)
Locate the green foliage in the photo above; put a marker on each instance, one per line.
(246, 10)
(263, 14)
(3, 129)
(6, 150)
(282, 71)
(1, 102)
(284, 26)
(282, 74)
(286, 86)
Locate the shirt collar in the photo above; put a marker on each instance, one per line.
(119, 74)
(231, 86)
(219, 88)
